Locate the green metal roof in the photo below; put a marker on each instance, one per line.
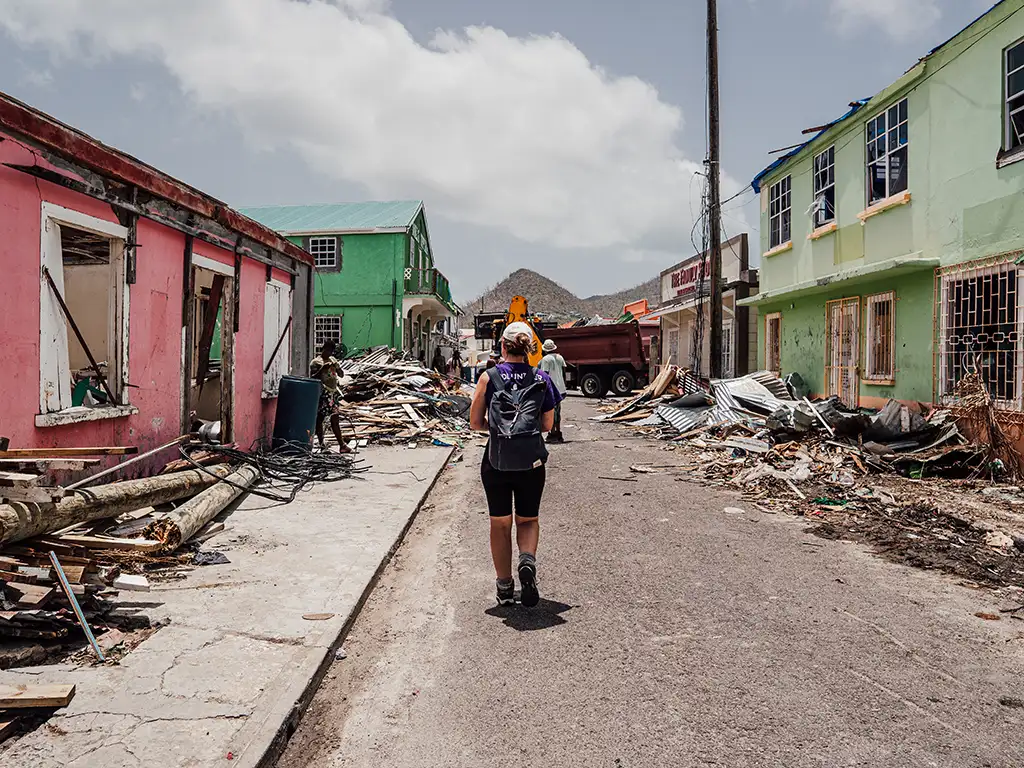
(336, 217)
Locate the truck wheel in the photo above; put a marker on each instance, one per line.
(623, 383)
(591, 385)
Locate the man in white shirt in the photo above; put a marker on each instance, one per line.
(553, 364)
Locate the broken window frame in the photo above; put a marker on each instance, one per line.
(277, 315)
(824, 172)
(773, 342)
(880, 342)
(321, 331)
(780, 213)
(1002, 356)
(887, 135)
(55, 405)
(1013, 104)
(326, 252)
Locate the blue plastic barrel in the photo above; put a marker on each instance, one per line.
(295, 420)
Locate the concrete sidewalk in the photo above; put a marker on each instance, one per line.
(237, 664)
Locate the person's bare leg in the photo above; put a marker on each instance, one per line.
(320, 432)
(501, 547)
(336, 429)
(527, 534)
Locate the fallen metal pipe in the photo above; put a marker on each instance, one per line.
(113, 470)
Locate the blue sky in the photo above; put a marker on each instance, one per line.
(562, 136)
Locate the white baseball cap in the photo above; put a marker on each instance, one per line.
(514, 329)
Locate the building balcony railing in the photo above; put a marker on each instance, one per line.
(428, 282)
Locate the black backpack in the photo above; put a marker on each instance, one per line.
(513, 417)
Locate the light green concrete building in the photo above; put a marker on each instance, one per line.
(892, 240)
(376, 282)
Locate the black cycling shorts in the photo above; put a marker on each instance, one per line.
(504, 488)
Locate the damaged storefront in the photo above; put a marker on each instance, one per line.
(684, 312)
(139, 307)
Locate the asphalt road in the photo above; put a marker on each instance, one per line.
(673, 632)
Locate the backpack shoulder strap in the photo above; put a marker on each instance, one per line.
(496, 379)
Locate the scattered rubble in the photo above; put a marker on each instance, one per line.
(389, 399)
(908, 482)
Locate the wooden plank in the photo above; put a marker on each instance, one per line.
(18, 480)
(7, 727)
(101, 542)
(18, 578)
(30, 595)
(33, 495)
(67, 453)
(47, 465)
(25, 696)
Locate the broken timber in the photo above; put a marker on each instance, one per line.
(23, 521)
(24, 696)
(188, 519)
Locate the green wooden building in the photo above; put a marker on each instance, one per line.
(892, 240)
(376, 282)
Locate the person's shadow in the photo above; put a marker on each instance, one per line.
(545, 615)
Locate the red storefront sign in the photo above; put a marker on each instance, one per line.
(685, 280)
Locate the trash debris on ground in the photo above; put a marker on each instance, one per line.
(64, 560)
(908, 481)
(391, 399)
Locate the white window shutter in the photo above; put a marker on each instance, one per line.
(276, 313)
(54, 364)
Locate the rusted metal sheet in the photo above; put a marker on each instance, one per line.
(65, 141)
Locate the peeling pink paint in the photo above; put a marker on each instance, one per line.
(155, 366)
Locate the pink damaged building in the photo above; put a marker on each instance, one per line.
(134, 306)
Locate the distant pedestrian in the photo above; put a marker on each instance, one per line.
(326, 368)
(455, 365)
(553, 364)
(515, 403)
(438, 364)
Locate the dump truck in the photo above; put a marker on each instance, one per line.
(602, 358)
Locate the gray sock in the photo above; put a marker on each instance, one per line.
(505, 583)
(527, 557)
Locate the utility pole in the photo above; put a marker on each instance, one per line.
(714, 193)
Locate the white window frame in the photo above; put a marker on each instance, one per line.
(1008, 112)
(326, 251)
(277, 312)
(728, 349)
(773, 343)
(55, 408)
(824, 180)
(780, 209)
(887, 354)
(320, 330)
(874, 157)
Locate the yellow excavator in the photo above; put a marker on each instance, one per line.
(519, 312)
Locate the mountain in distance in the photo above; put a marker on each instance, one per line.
(552, 301)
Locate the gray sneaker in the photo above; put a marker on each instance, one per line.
(528, 580)
(506, 593)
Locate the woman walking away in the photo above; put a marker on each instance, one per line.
(514, 403)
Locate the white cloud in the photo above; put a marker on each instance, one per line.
(37, 78)
(900, 19)
(523, 134)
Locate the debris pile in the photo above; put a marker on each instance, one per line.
(857, 474)
(766, 432)
(391, 399)
(67, 551)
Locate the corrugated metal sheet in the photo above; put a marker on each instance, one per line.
(683, 419)
(336, 217)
